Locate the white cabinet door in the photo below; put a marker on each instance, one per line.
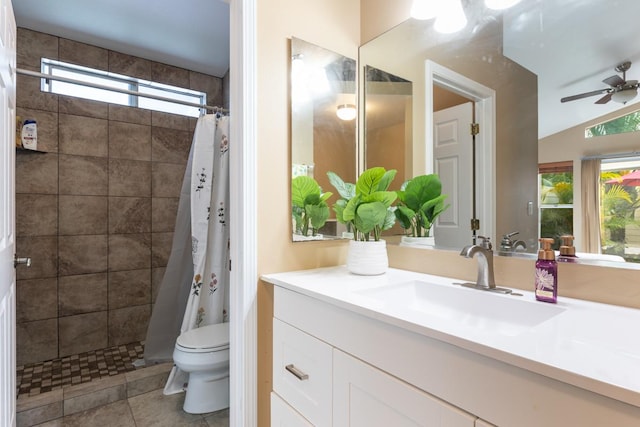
(364, 396)
(283, 415)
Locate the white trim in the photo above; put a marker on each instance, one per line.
(243, 171)
(485, 107)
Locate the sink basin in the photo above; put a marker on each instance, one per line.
(450, 306)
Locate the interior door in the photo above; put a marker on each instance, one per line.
(7, 216)
(453, 161)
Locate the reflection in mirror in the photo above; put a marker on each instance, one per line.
(323, 138)
(533, 55)
(387, 126)
(387, 122)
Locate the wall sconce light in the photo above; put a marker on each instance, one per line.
(346, 112)
(451, 17)
(500, 4)
(424, 9)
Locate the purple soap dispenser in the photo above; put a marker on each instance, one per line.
(546, 273)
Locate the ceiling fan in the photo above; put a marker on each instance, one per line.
(621, 90)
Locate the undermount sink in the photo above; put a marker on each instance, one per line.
(455, 307)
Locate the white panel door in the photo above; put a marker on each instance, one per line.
(364, 396)
(7, 215)
(453, 161)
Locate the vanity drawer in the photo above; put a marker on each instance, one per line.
(302, 371)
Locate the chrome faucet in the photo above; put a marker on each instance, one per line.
(508, 245)
(484, 251)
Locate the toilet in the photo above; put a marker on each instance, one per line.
(203, 354)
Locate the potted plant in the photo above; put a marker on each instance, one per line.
(347, 191)
(309, 207)
(420, 203)
(368, 211)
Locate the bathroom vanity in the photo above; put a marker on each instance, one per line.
(406, 348)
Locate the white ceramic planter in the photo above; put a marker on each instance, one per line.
(367, 258)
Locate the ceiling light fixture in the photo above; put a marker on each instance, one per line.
(624, 96)
(346, 112)
(451, 17)
(424, 9)
(500, 4)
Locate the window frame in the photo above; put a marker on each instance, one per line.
(49, 67)
(554, 167)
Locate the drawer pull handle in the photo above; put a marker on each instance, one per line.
(297, 372)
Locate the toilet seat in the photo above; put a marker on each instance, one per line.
(205, 339)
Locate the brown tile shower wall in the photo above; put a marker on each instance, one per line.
(96, 211)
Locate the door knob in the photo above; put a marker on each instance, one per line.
(21, 261)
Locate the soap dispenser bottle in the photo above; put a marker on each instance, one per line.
(546, 273)
(567, 250)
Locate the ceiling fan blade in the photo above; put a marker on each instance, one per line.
(604, 99)
(614, 81)
(584, 95)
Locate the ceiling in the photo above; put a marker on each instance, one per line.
(572, 45)
(191, 34)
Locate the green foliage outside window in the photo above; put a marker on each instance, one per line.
(556, 188)
(555, 221)
(618, 205)
(624, 124)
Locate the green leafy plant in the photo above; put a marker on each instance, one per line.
(420, 203)
(366, 207)
(347, 191)
(309, 205)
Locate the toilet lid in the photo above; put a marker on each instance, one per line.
(205, 338)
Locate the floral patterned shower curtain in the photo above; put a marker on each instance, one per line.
(209, 297)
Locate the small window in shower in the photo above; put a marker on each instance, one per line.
(88, 83)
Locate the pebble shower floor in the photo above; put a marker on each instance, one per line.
(36, 378)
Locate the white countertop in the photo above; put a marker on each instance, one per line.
(590, 345)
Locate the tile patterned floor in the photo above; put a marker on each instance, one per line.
(152, 409)
(132, 399)
(46, 376)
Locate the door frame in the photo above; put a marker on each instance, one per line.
(484, 99)
(243, 303)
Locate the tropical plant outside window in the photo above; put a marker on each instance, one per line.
(624, 124)
(619, 209)
(556, 200)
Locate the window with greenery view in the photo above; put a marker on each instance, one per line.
(619, 209)
(556, 200)
(624, 124)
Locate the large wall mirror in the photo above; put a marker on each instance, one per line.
(323, 135)
(531, 55)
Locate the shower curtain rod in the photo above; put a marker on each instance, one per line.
(128, 92)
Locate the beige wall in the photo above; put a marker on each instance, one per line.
(378, 16)
(334, 25)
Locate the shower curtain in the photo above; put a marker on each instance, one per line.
(195, 289)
